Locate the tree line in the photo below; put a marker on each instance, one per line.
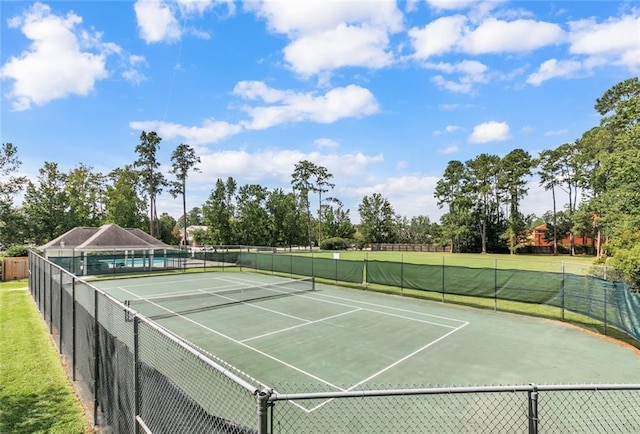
(250, 214)
(596, 176)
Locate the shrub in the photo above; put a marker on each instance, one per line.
(15, 251)
(335, 244)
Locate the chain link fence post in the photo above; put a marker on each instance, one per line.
(532, 396)
(495, 285)
(136, 373)
(562, 290)
(263, 411)
(443, 271)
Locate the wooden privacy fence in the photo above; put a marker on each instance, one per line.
(15, 268)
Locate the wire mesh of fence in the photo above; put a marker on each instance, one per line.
(135, 376)
(487, 409)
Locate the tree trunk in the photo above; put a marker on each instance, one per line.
(184, 210)
(555, 222)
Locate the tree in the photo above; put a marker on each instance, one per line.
(377, 219)
(218, 213)
(11, 219)
(549, 172)
(336, 222)
(194, 218)
(482, 180)
(322, 185)
(183, 160)
(252, 219)
(85, 194)
(301, 181)
(124, 204)
(515, 167)
(286, 222)
(45, 205)
(420, 230)
(166, 225)
(152, 179)
(622, 105)
(451, 191)
(200, 236)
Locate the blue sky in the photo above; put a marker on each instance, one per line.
(381, 93)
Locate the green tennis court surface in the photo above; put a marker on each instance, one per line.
(345, 339)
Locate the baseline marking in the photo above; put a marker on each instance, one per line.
(288, 365)
(371, 377)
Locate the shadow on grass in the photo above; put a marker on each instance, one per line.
(40, 412)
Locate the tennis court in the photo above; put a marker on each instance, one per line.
(297, 332)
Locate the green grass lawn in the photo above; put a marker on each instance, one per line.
(35, 394)
(571, 264)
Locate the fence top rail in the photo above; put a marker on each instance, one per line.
(275, 396)
(173, 337)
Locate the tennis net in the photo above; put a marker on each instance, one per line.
(197, 301)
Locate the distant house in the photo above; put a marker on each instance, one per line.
(538, 235)
(190, 231)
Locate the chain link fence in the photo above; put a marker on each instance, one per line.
(611, 307)
(132, 375)
(527, 409)
(136, 377)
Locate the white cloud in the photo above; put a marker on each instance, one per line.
(409, 195)
(556, 132)
(339, 47)
(55, 64)
(447, 129)
(159, 20)
(496, 36)
(296, 18)
(156, 21)
(437, 37)
(613, 42)
(451, 107)
(211, 131)
(194, 6)
(132, 72)
(448, 150)
(288, 106)
(471, 73)
(555, 68)
(456, 34)
(277, 165)
(491, 131)
(285, 107)
(617, 39)
(452, 4)
(326, 143)
(326, 35)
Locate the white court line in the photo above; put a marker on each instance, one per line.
(172, 282)
(356, 308)
(204, 290)
(301, 325)
(288, 365)
(371, 377)
(313, 297)
(393, 308)
(455, 329)
(246, 303)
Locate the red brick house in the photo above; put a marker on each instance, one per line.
(537, 238)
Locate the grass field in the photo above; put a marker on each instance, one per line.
(35, 394)
(572, 264)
